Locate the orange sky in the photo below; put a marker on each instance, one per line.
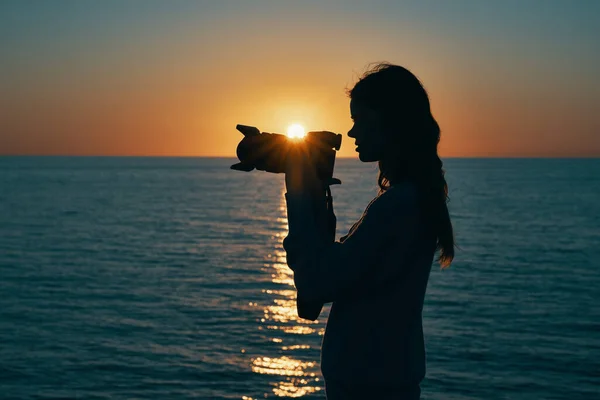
(123, 81)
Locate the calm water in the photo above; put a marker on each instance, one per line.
(162, 278)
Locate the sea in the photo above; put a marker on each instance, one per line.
(165, 278)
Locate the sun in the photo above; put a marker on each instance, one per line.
(296, 131)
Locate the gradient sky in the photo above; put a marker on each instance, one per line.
(505, 78)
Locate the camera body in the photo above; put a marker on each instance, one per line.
(269, 151)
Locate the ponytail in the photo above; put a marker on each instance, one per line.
(445, 232)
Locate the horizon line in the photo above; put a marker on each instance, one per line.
(338, 158)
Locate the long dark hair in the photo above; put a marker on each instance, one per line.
(411, 146)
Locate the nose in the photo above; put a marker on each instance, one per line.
(351, 133)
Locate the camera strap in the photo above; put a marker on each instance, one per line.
(331, 218)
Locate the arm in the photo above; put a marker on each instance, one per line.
(326, 223)
(327, 271)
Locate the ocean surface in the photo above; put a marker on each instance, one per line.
(165, 278)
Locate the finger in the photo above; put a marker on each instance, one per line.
(322, 132)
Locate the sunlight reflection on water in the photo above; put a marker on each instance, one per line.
(296, 374)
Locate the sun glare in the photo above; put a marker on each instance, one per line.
(296, 131)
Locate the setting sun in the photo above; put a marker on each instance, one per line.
(296, 131)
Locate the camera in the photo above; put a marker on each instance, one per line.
(269, 151)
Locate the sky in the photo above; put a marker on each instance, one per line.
(173, 78)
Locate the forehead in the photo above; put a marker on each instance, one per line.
(358, 108)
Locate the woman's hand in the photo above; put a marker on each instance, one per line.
(302, 180)
(301, 173)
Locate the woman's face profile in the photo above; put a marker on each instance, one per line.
(367, 132)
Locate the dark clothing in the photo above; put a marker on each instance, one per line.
(376, 277)
(335, 390)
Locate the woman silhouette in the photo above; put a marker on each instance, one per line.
(376, 275)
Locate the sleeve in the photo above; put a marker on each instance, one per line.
(325, 221)
(327, 271)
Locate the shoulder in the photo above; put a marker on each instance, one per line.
(399, 197)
